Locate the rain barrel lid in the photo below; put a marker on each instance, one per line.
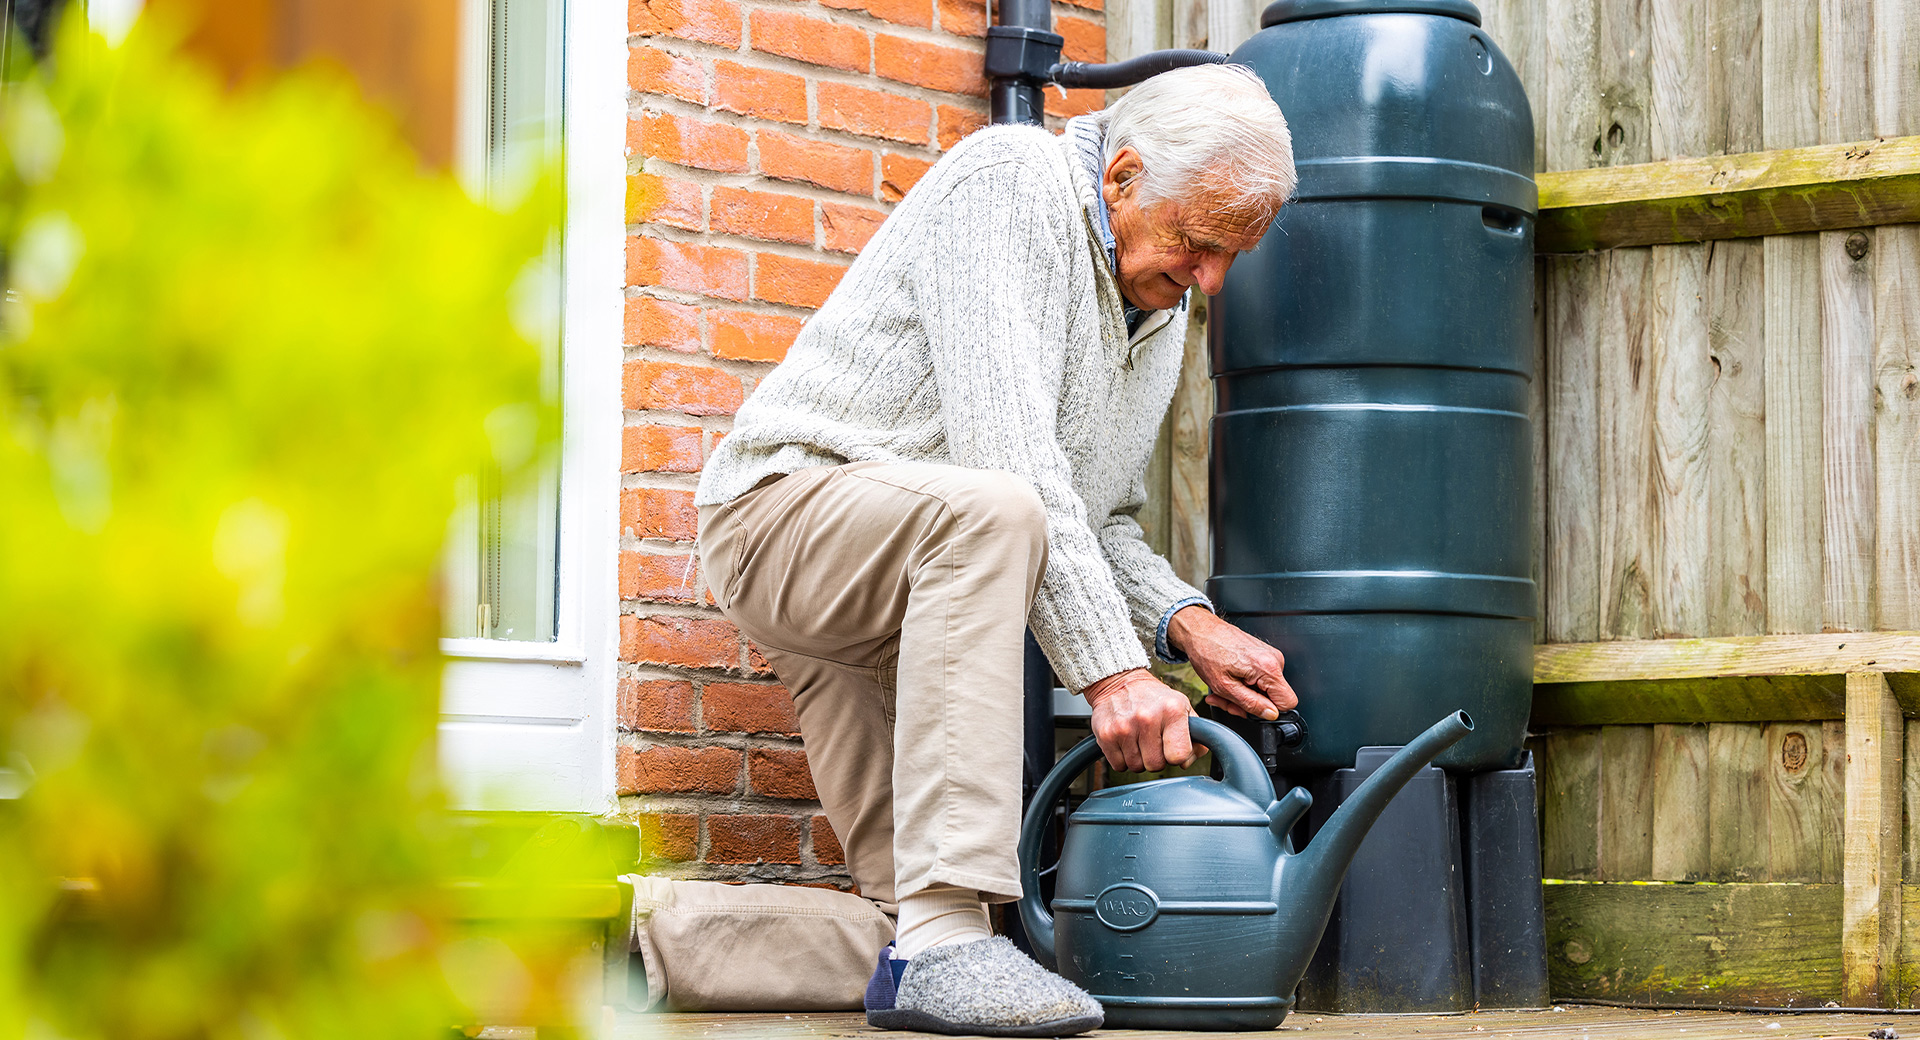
(1301, 10)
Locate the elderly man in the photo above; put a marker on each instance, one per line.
(952, 452)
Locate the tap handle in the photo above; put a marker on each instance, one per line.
(1290, 728)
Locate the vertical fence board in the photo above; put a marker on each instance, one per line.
(1625, 82)
(1737, 118)
(1870, 914)
(1739, 817)
(1846, 335)
(1571, 599)
(1846, 404)
(1630, 533)
(1568, 762)
(1230, 22)
(1896, 310)
(1682, 81)
(1681, 362)
(1795, 519)
(1630, 549)
(1790, 86)
(1541, 420)
(1910, 802)
(1896, 68)
(1679, 803)
(1190, 24)
(1626, 803)
(1790, 118)
(1571, 112)
(1737, 440)
(1833, 827)
(1799, 805)
(1896, 433)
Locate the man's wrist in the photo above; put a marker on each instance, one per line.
(1182, 625)
(1098, 690)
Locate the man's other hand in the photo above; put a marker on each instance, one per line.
(1243, 673)
(1141, 723)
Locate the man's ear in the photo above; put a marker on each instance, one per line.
(1119, 174)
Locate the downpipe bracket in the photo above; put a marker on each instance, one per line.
(1023, 59)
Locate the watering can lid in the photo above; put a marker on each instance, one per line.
(1186, 799)
(1300, 10)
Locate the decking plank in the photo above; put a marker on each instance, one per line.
(1591, 1023)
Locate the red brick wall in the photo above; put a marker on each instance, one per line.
(767, 139)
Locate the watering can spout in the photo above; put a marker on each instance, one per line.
(1315, 874)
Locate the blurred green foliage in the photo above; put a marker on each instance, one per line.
(247, 347)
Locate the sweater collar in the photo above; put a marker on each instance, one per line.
(1086, 138)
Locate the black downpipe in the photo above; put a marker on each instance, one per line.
(1023, 56)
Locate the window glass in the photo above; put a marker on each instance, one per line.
(501, 577)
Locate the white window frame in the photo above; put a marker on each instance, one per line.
(112, 18)
(530, 725)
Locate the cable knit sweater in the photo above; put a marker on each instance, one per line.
(982, 326)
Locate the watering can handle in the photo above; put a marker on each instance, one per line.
(1241, 770)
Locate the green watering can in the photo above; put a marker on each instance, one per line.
(1182, 903)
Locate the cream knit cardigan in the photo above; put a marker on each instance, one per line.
(982, 327)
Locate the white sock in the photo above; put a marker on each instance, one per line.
(937, 915)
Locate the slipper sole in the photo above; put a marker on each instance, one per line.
(920, 1022)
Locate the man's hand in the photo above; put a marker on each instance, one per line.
(1242, 672)
(1141, 723)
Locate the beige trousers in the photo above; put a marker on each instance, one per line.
(891, 599)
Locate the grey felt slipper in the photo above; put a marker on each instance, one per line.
(982, 988)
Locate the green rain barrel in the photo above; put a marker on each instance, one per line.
(1371, 467)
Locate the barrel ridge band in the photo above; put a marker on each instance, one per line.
(1416, 177)
(1348, 592)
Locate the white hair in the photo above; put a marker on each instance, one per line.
(1212, 124)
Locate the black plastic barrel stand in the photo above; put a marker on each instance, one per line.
(1441, 910)
(1506, 917)
(1398, 940)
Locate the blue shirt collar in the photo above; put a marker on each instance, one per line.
(1089, 141)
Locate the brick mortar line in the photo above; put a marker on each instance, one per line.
(631, 544)
(684, 611)
(675, 673)
(930, 150)
(665, 355)
(634, 543)
(671, 481)
(677, 420)
(702, 870)
(648, 739)
(667, 103)
(709, 423)
(817, 134)
(653, 551)
(791, 250)
(648, 803)
(710, 179)
(681, 296)
(815, 75)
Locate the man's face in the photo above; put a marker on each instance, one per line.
(1174, 243)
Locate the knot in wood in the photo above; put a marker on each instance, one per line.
(1857, 245)
(1793, 752)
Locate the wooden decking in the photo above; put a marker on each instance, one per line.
(1583, 1023)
